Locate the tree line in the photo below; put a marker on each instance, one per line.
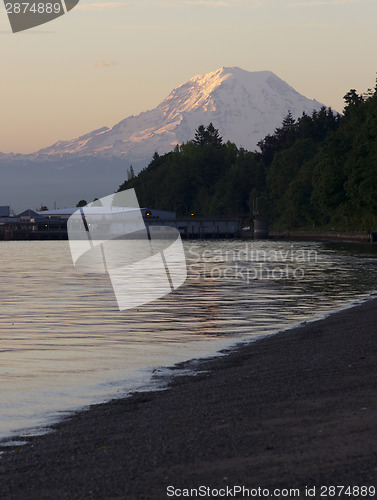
(319, 171)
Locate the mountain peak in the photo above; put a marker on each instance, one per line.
(210, 81)
(235, 71)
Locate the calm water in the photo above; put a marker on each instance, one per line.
(64, 344)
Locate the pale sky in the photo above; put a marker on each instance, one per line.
(106, 60)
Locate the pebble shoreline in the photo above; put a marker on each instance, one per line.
(294, 410)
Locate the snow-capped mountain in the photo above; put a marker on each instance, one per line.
(245, 106)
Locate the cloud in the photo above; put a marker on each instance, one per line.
(103, 64)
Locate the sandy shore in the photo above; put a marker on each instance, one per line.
(294, 410)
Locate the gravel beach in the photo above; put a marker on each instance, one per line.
(293, 411)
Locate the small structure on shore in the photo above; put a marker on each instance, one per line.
(260, 231)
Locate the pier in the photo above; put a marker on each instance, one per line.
(52, 225)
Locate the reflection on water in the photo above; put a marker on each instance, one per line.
(64, 343)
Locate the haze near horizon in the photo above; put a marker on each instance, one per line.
(106, 61)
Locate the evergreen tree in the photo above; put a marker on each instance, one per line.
(352, 100)
(130, 173)
(207, 135)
